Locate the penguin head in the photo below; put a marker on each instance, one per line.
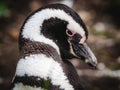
(61, 27)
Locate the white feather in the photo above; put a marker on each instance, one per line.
(32, 28)
(44, 67)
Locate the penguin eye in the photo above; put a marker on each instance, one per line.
(70, 33)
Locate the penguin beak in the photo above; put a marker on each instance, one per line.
(81, 50)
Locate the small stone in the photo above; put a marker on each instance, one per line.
(101, 66)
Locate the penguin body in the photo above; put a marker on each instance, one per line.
(49, 38)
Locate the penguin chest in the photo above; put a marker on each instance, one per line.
(42, 67)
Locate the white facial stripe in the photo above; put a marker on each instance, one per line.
(32, 28)
(40, 65)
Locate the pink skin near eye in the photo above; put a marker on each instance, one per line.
(82, 40)
(70, 33)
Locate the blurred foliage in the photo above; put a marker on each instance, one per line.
(4, 11)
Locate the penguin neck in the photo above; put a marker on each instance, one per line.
(28, 48)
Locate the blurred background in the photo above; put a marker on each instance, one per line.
(102, 18)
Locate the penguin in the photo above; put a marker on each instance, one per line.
(49, 38)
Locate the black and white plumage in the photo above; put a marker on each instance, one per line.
(49, 38)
